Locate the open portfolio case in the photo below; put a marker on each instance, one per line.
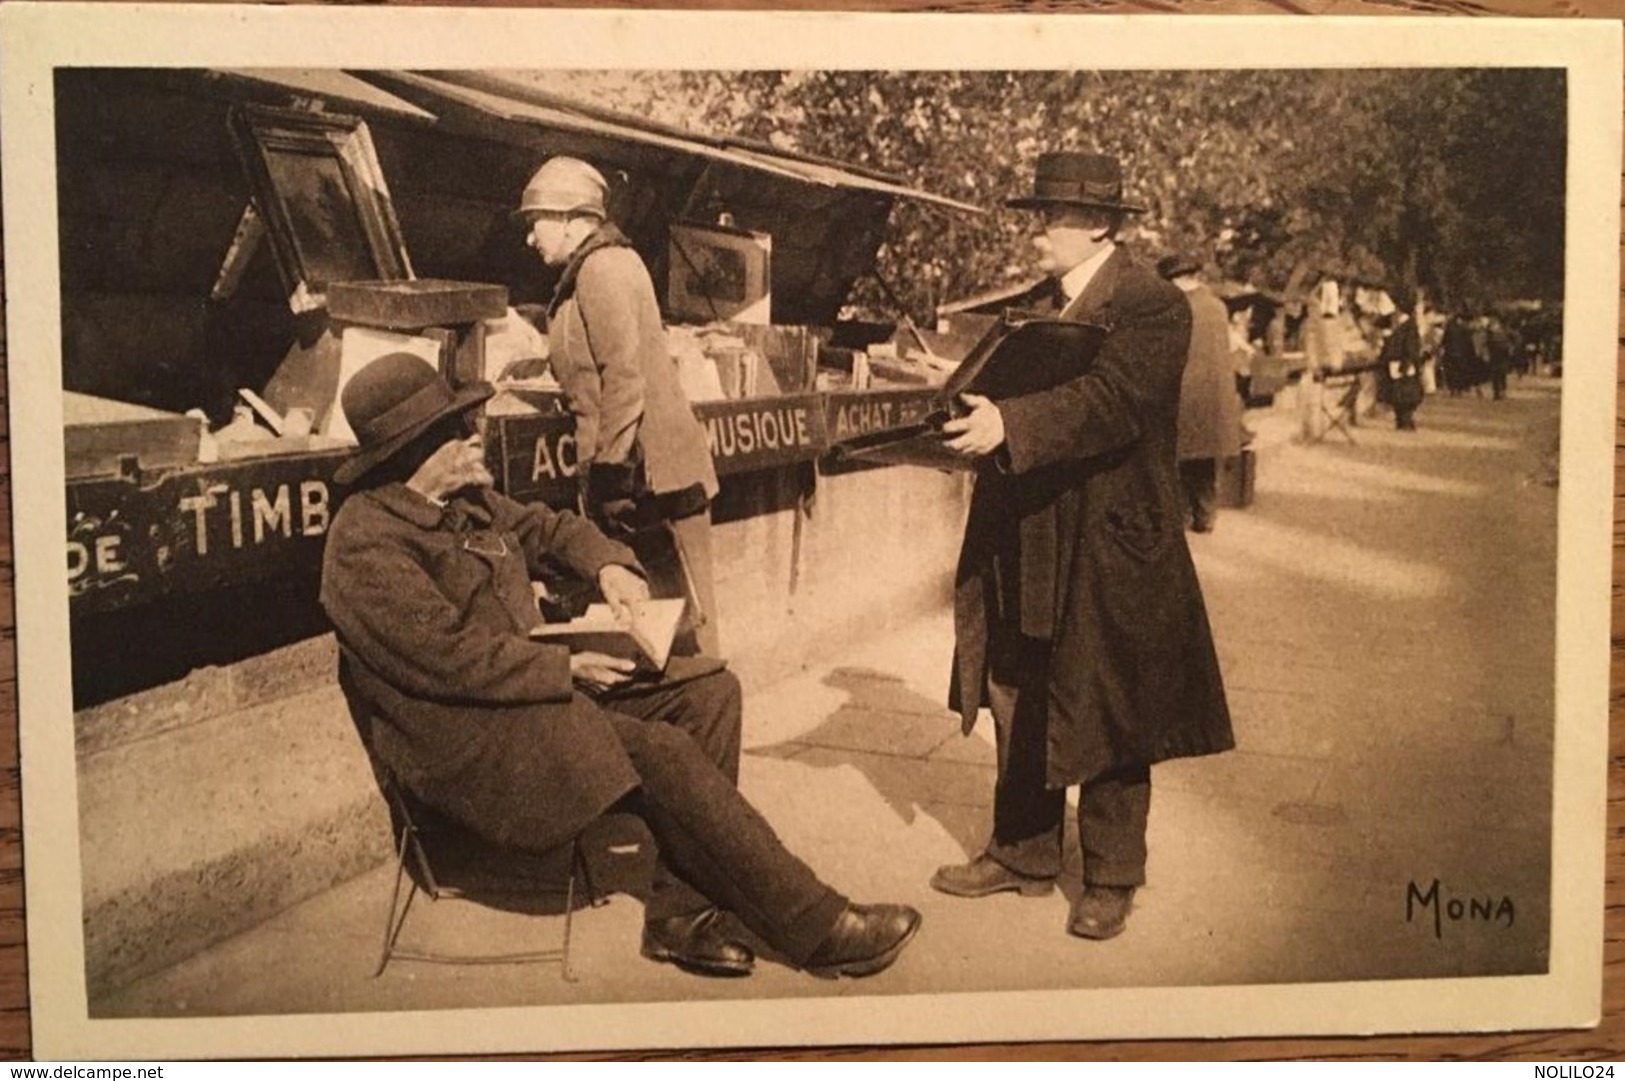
(1021, 353)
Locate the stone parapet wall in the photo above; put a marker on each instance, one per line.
(206, 693)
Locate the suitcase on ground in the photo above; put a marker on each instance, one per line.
(1237, 475)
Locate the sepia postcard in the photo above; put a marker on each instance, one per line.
(1140, 490)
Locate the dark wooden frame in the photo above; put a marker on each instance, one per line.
(262, 133)
(691, 242)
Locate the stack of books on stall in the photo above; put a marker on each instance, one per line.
(102, 436)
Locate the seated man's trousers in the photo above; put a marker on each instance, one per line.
(714, 847)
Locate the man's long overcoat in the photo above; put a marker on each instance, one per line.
(476, 719)
(1076, 535)
(1209, 406)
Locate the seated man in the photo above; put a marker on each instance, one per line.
(426, 578)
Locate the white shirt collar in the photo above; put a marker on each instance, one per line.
(1076, 280)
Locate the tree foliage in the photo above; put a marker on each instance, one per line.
(1451, 180)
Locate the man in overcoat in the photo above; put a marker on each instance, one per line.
(1401, 360)
(426, 578)
(646, 460)
(1463, 366)
(1078, 618)
(1209, 404)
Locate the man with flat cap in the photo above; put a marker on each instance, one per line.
(1078, 619)
(426, 578)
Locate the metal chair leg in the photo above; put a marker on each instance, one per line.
(392, 925)
(595, 899)
(570, 910)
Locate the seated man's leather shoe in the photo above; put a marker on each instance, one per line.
(865, 940)
(984, 875)
(696, 944)
(1101, 911)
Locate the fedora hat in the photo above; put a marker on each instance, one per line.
(1076, 178)
(392, 401)
(1178, 265)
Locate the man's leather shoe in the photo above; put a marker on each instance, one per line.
(984, 875)
(865, 940)
(1101, 911)
(696, 944)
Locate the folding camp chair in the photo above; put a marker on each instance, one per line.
(472, 870)
(1343, 391)
(446, 861)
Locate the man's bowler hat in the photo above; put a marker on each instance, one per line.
(1076, 178)
(392, 401)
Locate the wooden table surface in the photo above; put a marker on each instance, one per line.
(1605, 1042)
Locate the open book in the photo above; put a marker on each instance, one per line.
(645, 639)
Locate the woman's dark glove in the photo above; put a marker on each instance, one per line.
(613, 497)
(618, 518)
(611, 481)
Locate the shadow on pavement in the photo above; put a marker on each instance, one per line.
(910, 750)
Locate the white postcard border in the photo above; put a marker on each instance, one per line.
(34, 39)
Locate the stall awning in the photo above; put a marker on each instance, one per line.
(436, 91)
(835, 177)
(512, 102)
(324, 85)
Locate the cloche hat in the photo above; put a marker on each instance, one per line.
(564, 185)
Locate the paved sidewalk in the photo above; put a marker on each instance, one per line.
(1385, 616)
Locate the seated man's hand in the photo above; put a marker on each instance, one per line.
(979, 432)
(599, 671)
(457, 465)
(622, 588)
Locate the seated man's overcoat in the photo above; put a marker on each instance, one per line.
(432, 607)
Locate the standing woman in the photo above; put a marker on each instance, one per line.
(649, 479)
